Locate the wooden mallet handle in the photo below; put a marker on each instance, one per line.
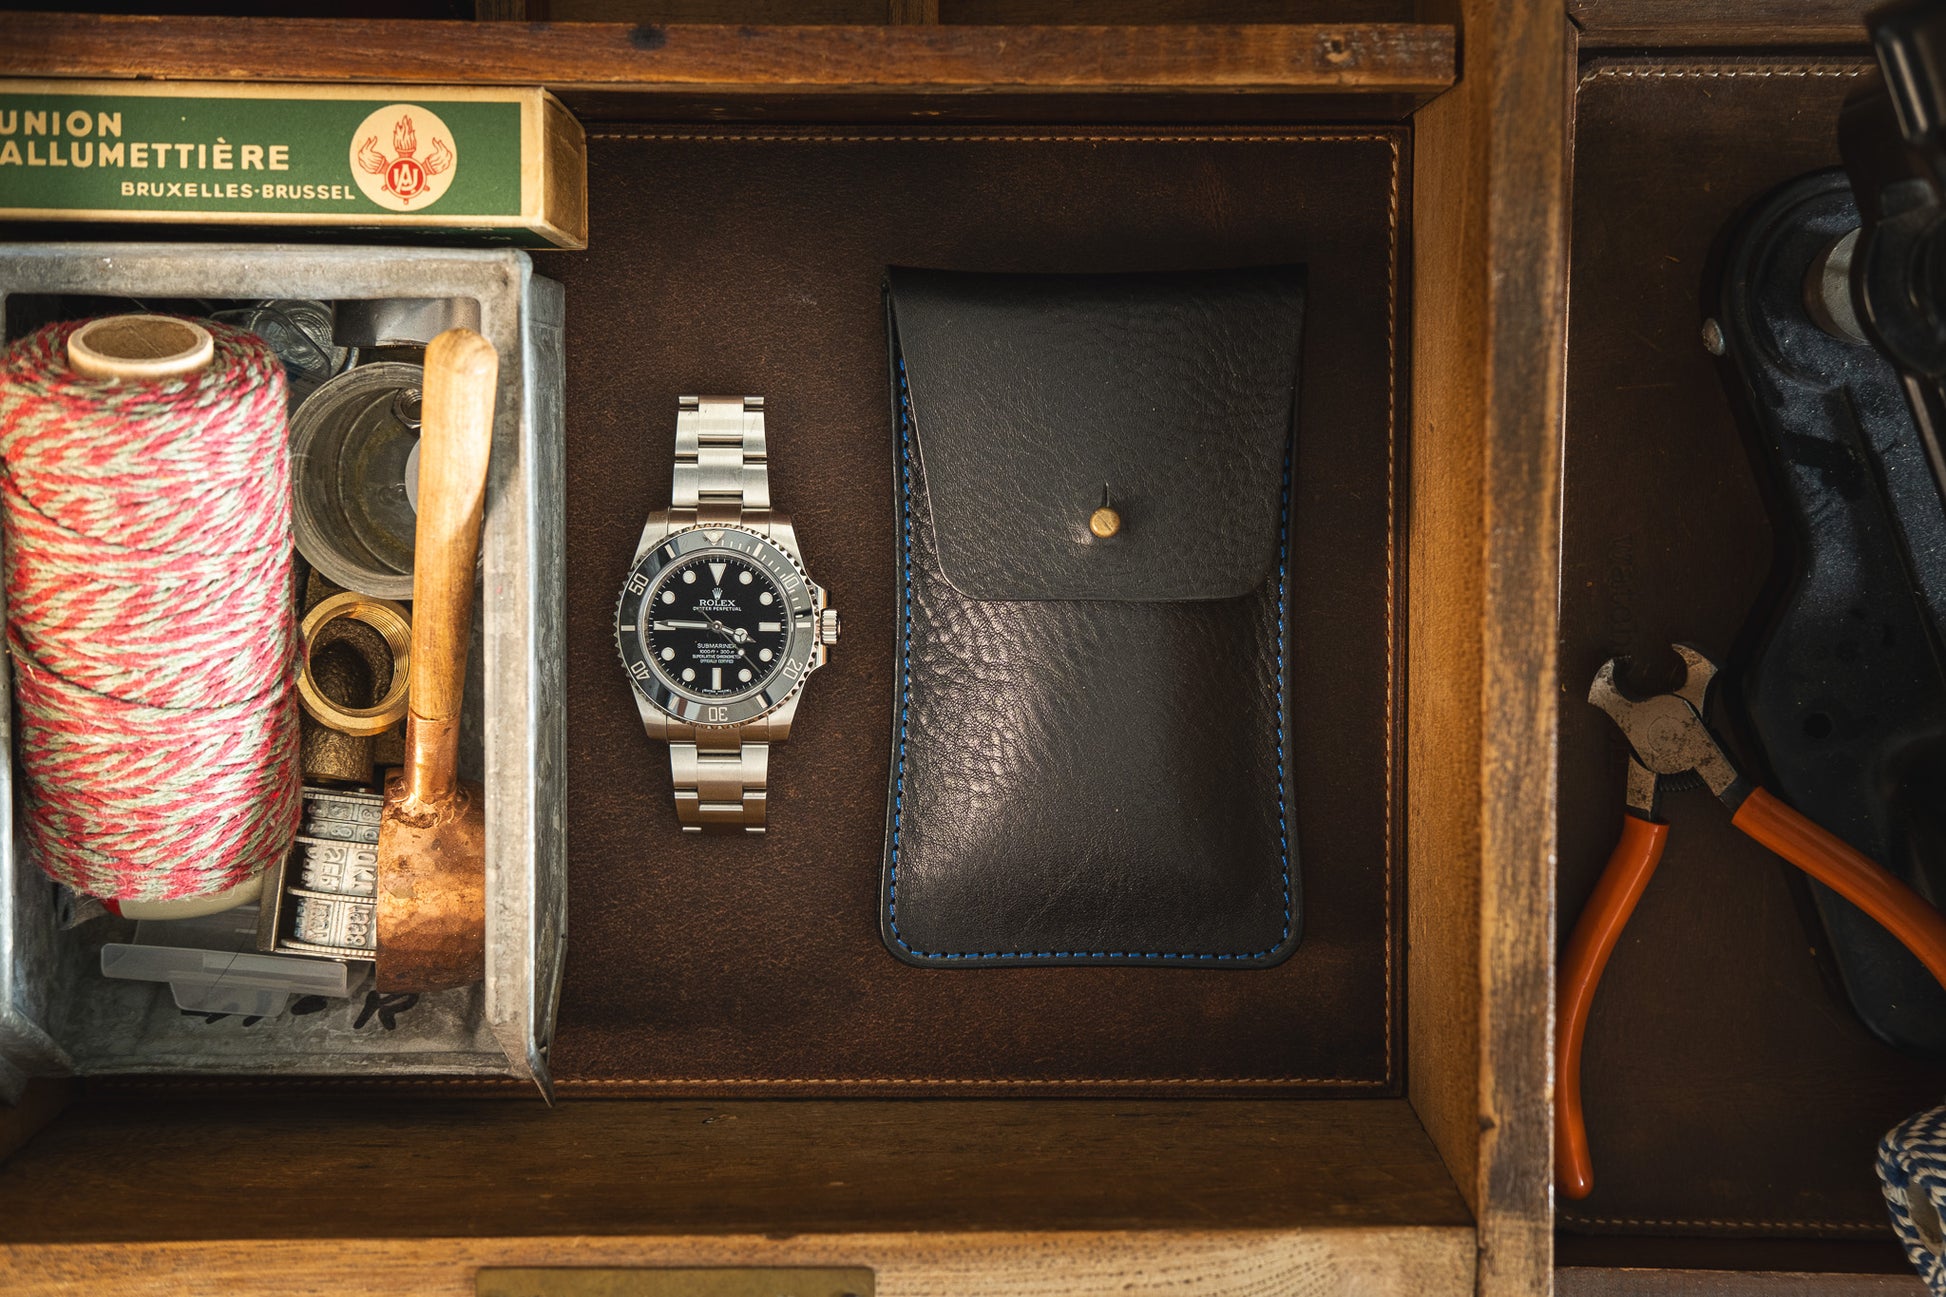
(456, 435)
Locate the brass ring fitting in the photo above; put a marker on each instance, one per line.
(390, 621)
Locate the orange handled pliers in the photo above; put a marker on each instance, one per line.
(1668, 738)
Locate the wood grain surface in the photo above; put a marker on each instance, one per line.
(378, 1168)
(726, 11)
(1491, 199)
(1659, 24)
(1389, 57)
(461, 368)
(1175, 11)
(40, 1103)
(1017, 12)
(1219, 1262)
(1337, 1196)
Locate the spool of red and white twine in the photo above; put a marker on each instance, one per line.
(150, 617)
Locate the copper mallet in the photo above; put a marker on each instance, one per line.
(431, 904)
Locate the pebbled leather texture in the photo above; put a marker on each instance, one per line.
(1036, 392)
(1102, 778)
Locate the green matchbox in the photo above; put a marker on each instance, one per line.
(489, 164)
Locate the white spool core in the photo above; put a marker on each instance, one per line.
(139, 346)
(195, 907)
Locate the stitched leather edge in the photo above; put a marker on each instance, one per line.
(946, 135)
(1392, 658)
(517, 1087)
(1635, 69)
(1757, 1226)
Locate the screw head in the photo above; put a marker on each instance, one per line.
(1104, 522)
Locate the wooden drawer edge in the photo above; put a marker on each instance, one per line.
(1433, 1260)
(1361, 57)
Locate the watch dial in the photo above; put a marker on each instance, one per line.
(715, 626)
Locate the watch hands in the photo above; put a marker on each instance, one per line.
(737, 638)
(737, 635)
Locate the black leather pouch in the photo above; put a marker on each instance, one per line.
(1092, 755)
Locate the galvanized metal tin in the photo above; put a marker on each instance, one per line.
(57, 1015)
(352, 442)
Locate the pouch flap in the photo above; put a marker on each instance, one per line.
(1031, 394)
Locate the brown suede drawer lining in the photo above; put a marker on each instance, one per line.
(1728, 1088)
(750, 262)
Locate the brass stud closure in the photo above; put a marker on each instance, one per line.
(1104, 522)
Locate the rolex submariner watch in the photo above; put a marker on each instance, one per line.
(719, 625)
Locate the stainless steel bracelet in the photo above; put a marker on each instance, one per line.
(722, 470)
(722, 477)
(720, 787)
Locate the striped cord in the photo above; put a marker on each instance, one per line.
(150, 618)
(1912, 1172)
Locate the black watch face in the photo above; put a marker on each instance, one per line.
(715, 626)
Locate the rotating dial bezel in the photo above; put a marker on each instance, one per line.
(800, 605)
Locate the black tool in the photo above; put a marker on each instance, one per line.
(1841, 681)
(1893, 136)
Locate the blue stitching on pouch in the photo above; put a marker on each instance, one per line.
(905, 708)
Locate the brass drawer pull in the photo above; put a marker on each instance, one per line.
(715, 1281)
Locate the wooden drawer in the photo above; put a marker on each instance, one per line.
(1734, 1102)
(1439, 1184)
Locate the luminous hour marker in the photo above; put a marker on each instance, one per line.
(764, 597)
(668, 655)
(688, 674)
(769, 627)
(764, 654)
(689, 576)
(668, 596)
(744, 675)
(716, 677)
(717, 570)
(744, 577)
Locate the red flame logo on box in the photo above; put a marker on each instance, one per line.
(405, 176)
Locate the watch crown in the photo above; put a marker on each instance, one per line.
(828, 627)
